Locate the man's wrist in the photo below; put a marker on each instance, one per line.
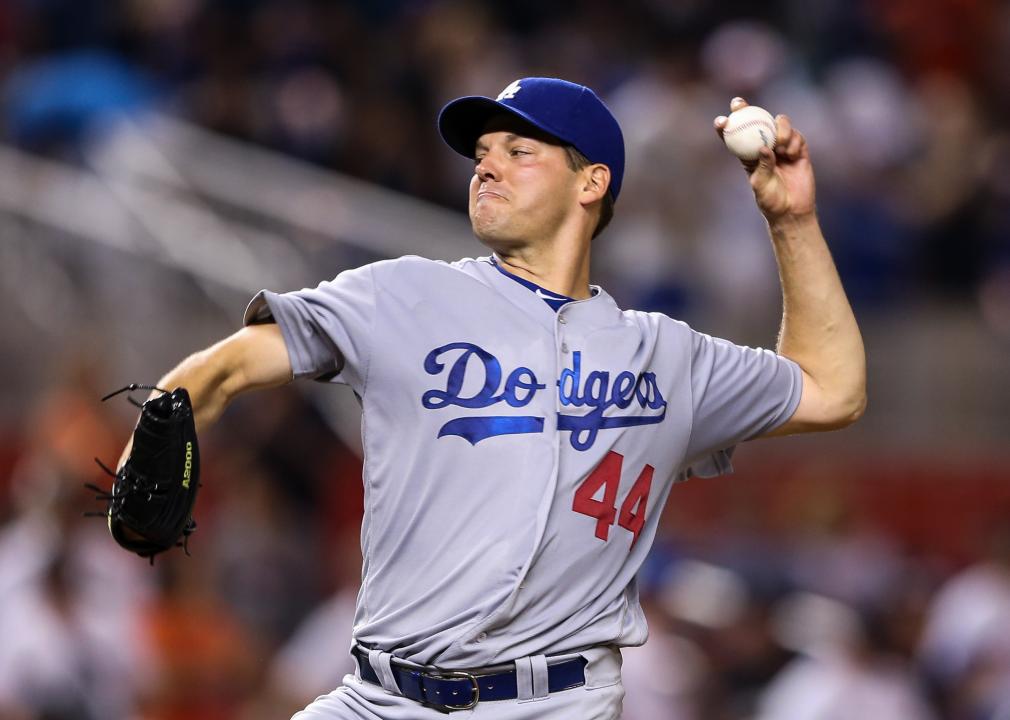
(791, 224)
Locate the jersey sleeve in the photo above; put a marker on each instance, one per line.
(738, 393)
(327, 329)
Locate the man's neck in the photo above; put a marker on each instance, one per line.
(563, 269)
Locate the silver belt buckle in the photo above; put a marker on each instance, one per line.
(459, 675)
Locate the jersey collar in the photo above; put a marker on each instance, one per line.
(555, 301)
(521, 297)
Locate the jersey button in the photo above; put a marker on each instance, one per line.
(482, 637)
(562, 320)
(564, 347)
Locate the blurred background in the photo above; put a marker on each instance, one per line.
(161, 160)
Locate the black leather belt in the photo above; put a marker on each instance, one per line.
(449, 690)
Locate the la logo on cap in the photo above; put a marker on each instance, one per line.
(509, 92)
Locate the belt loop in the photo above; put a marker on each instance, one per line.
(380, 662)
(538, 664)
(524, 679)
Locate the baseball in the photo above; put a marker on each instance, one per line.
(748, 130)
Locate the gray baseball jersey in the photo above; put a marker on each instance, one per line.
(516, 458)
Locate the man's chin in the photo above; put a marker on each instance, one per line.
(495, 237)
(498, 243)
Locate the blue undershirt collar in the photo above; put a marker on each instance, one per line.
(554, 300)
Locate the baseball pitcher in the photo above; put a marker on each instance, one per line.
(521, 431)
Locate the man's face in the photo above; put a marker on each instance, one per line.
(523, 189)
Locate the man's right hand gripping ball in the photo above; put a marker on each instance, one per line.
(150, 505)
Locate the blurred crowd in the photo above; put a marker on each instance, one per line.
(904, 102)
(829, 613)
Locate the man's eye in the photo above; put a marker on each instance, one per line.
(519, 151)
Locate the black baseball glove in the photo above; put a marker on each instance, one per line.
(150, 506)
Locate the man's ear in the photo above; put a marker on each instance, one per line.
(597, 182)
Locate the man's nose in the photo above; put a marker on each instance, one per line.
(488, 168)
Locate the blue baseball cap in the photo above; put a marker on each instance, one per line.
(572, 113)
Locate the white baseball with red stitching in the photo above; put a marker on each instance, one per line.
(748, 130)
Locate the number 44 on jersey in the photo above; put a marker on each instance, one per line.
(607, 475)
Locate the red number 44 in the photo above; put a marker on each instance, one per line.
(608, 476)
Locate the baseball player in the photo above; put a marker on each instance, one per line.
(521, 431)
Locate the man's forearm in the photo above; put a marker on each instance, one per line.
(819, 331)
(254, 357)
(205, 378)
(204, 381)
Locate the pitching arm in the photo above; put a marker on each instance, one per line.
(819, 331)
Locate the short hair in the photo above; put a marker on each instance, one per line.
(577, 161)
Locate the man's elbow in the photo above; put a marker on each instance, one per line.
(858, 409)
(820, 410)
(847, 411)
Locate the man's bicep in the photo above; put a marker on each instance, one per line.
(259, 358)
(738, 393)
(816, 412)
